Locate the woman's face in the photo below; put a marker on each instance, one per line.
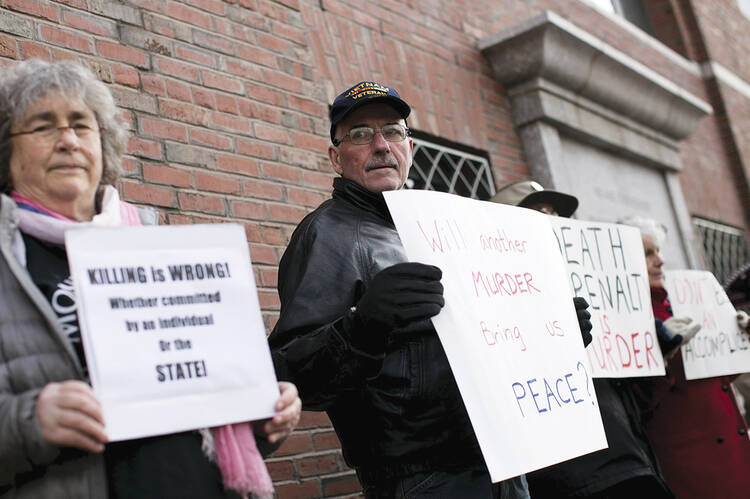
(59, 165)
(653, 263)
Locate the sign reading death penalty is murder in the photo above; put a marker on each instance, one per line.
(720, 347)
(171, 327)
(606, 266)
(508, 327)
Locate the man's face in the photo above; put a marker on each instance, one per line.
(545, 208)
(380, 165)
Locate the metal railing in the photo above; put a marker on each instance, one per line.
(725, 248)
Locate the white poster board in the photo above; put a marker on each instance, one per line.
(607, 267)
(171, 327)
(720, 347)
(509, 328)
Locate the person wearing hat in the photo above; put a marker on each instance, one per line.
(530, 194)
(354, 331)
(628, 466)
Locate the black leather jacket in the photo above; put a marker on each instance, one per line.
(396, 412)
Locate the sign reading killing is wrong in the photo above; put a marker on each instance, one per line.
(171, 327)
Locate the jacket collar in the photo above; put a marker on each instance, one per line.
(353, 193)
(10, 246)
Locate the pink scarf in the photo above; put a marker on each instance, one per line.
(242, 467)
(36, 220)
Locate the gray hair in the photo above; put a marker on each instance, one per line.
(24, 82)
(648, 226)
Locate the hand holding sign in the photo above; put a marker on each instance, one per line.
(401, 294)
(584, 317)
(69, 415)
(282, 423)
(743, 321)
(686, 327)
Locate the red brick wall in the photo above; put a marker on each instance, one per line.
(675, 25)
(486, 18)
(725, 31)
(228, 121)
(227, 103)
(726, 34)
(712, 187)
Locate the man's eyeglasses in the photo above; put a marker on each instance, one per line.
(50, 132)
(362, 135)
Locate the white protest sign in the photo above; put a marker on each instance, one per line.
(607, 267)
(509, 328)
(720, 347)
(171, 327)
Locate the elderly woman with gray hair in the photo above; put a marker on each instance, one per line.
(694, 426)
(60, 151)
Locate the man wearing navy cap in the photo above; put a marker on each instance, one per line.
(354, 332)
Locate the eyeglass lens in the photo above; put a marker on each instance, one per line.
(365, 135)
(49, 131)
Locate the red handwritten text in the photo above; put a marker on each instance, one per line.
(502, 243)
(443, 235)
(614, 351)
(496, 283)
(501, 335)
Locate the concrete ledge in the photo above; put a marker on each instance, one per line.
(549, 48)
(577, 116)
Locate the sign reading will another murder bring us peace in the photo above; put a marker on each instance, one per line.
(508, 327)
(171, 327)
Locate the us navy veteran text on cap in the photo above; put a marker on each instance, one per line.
(365, 92)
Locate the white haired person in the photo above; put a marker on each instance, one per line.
(695, 427)
(60, 152)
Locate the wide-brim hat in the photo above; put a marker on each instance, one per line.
(527, 193)
(365, 92)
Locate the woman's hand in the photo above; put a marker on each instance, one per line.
(684, 326)
(743, 321)
(69, 415)
(288, 409)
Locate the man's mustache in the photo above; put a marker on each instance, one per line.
(384, 162)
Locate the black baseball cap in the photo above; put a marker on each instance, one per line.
(365, 92)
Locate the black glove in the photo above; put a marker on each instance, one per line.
(667, 342)
(584, 323)
(397, 296)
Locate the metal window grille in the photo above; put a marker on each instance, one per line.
(724, 247)
(441, 168)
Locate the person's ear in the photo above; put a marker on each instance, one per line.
(335, 157)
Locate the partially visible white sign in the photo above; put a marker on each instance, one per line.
(720, 347)
(606, 266)
(171, 327)
(508, 327)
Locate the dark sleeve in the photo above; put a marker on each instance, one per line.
(321, 276)
(650, 390)
(265, 447)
